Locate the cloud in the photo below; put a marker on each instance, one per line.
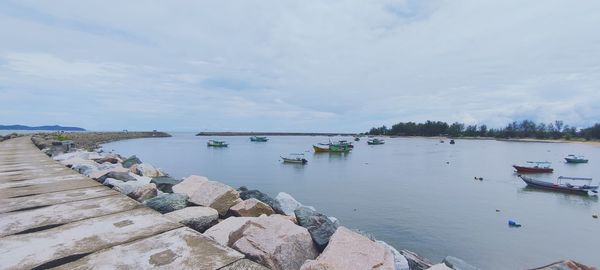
(309, 65)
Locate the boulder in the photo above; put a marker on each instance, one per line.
(122, 176)
(251, 208)
(202, 191)
(458, 264)
(566, 265)
(335, 221)
(274, 242)
(400, 263)
(106, 168)
(128, 162)
(198, 218)
(244, 264)
(146, 169)
(223, 229)
(249, 194)
(165, 183)
(439, 266)
(85, 169)
(123, 187)
(145, 192)
(109, 159)
(415, 262)
(288, 204)
(350, 250)
(320, 227)
(166, 203)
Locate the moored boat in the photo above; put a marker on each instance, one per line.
(535, 167)
(563, 187)
(258, 139)
(452, 142)
(295, 159)
(375, 141)
(576, 159)
(215, 143)
(321, 149)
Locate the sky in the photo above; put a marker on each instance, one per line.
(269, 65)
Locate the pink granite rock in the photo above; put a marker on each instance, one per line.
(145, 192)
(221, 231)
(274, 242)
(350, 250)
(202, 191)
(251, 208)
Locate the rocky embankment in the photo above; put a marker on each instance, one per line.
(90, 140)
(9, 136)
(274, 232)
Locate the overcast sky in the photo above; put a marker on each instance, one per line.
(297, 65)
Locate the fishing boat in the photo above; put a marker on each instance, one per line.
(375, 141)
(258, 139)
(585, 189)
(576, 159)
(534, 167)
(340, 148)
(321, 149)
(295, 159)
(345, 143)
(215, 143)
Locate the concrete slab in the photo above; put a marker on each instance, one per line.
(59, 214)
(182, 248)
(49, 248)
(39, 180)
(12, 204)
(45, 188)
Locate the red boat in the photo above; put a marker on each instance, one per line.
(535, 167)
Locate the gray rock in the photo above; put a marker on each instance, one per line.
(320, 227)
(122, 176)
(198, 218)
(165, 183)
(143, 193)
(244, 264)
(256, 194)
(289, 204)
(458, 264)
(130, 161)
(167, 202)
(415, 262)
(400, 262)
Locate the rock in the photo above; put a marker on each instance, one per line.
(320, 227)
(439, 266)
(274, 242)
(106, 168)
(350, 250)
(290, 218)
(145, 192)
(146, 169)
(141, 179)
(458, 264)
(223, 229)
(415, 262)
(251, 208)
(335, 221)
(165, 183)
(85, 169)
(130, 161)
(244, 264)
(122, 176)
(109, 159)
(248, 194)
(288, 204)
(198, 218)
(566, 265)
(400, 263)
(123, 187)
(167, 202)
(202, 191)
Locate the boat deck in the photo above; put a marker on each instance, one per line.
(51, 216)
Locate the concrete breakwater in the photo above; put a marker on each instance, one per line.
(91, 140)
(279, 233)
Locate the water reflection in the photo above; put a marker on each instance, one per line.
(563, 198)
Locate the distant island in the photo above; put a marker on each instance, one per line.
(55, 127)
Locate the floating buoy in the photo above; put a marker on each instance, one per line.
(513, 223)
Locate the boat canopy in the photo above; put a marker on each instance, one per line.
(574, 178)
(540, 162)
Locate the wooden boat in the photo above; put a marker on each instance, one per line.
(563, 187)
(296, 159)
(375, 141)
(215, 143)
(535, 167)
(258, 139)
(320, 149)
(576, 159)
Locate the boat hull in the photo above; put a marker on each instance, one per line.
(294, 161)
(555, 187)
(524, 169)
(576, 160)
(320, 149)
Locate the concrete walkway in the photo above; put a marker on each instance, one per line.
(51, 216)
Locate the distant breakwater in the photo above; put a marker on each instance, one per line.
(92, 140)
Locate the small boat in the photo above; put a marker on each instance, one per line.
(375, 141)
(345, 143)
(535, 167)
(340, 148)
(258, 139)
(296, 159)
(320, 149)
(356, 139)
(215, 143)
(452, 142)
(563, 187)
(576, 159)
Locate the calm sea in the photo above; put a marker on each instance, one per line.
(414, 193)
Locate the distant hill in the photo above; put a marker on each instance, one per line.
(55, 127)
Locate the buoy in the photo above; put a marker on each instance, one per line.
(513, 223)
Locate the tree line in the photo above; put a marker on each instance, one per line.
(522, 129)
